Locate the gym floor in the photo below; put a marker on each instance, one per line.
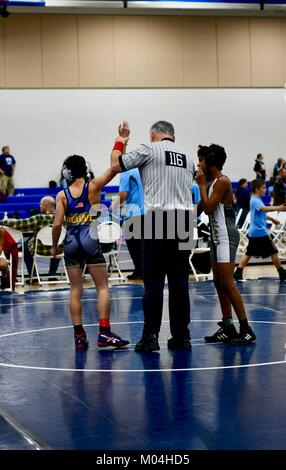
(215, 397)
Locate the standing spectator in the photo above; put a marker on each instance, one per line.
(278, 166)
(271, 189)
(259, 167)
(131, 193)
(7, 170)
(242, 196)
(8, 246)
(166, 171)
(33, 225)
(279, 188)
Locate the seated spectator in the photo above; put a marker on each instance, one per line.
(8, 246)
(242, 196)
(32, 225)
(52, 184)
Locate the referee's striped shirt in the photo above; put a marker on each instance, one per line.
(167, 173)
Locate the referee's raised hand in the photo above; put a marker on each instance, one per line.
(124, 130)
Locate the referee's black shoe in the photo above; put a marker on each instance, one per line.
(179, 344)
(148, 343)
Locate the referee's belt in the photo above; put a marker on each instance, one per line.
(82, 218)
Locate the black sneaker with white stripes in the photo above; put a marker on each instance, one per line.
(225, 334)
(244, 337)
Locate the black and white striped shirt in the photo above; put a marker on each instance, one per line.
(167, 173)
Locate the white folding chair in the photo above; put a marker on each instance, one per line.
(243, 242)
(199, 250)
(18, 237)
(238, 215)
(110, 232)
(197, 275)
(45, 237)
(278, 234)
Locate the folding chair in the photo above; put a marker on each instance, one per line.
(110, 232)
(199, 250)
(278, 234)
(45, 237)
(243, 242)
(238, 215)
(18, 237)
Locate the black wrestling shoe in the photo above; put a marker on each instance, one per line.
(223, 335)
(238, 274)
(245, 337)
(282, 274)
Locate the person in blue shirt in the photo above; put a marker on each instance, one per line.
(260, 245)
(196, 192)
(131, 194)
(7, 170)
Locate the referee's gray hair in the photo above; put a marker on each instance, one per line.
(163, 127)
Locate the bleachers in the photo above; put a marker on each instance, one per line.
(37, 191)
(26, 201)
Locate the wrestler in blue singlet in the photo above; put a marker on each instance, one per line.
(80, 247)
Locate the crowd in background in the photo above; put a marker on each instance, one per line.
(276, 194)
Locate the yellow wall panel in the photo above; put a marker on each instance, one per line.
(234, 66)
(266, 52)
(70, 51)
(60, 51)
(131, 53)
(96, 51)
(283, 21)
(23, 51)
(165, 58)
(2, 61)
(200, 52)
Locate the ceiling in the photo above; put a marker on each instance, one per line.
(155, 7)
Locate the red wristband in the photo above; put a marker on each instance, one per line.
(118, 146)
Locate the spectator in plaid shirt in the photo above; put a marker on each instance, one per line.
(33, 225)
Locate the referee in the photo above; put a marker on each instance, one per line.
(167, 174)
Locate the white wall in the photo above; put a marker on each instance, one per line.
(42, 127)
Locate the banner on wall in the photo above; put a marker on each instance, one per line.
(186, 2)
(22, 3)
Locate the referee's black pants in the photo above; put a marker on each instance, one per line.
(161, 258)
